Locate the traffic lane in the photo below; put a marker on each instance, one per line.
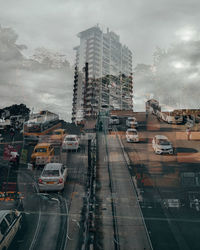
(162, 170)
(156, 170)
(74, 193)
(49, 225)
(77, 168)
(39, 233)
(186, 151)
(127, 210)
(52, 221)
(143, 152)
(184, 217)
(43, 214)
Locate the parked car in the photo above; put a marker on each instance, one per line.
(131, 122)
(10, 224)
(53, 177)
(162, 145)
(71, 142)
(42, 151)
(114, 120)
(132, 135)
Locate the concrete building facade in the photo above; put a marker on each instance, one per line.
(103, 74)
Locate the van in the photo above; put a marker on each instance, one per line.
(10, 224)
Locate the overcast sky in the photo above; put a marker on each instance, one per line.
(142, 24)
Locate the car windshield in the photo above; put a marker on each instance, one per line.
(57, 133)
(40, 150)
(163, 142)
(114, 117)
(132, 132)
(48, 173)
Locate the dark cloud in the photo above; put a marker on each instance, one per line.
(174, 79)
(44, 85)
(142, 25)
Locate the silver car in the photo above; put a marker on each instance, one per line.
(10, 224)
(132, 135)
(131, 122)
(53, 177)
(71, 142)
(162, 145)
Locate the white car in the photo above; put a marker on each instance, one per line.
(162, 145)
(132, 135)
(131, 122)
(10, 224)
(53, 177)
(114, 120)
(71, 142)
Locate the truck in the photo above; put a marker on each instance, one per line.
(170, 117)
(152, 106)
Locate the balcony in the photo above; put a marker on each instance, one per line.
(89, 92)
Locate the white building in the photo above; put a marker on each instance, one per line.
(109, 72)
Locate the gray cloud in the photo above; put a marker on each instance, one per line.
(43, 85)
(142, 25)
(175, 78)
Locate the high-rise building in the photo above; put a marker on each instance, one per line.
(103, 74)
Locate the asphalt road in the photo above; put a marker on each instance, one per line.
(51, 220)
(167, 184)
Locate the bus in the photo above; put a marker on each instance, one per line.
(40, 124)
(171, 117)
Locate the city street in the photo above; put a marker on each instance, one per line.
(167, 185)
(50, 220)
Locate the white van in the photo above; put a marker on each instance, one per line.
(10, 223)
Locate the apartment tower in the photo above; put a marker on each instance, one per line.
(103, 74)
